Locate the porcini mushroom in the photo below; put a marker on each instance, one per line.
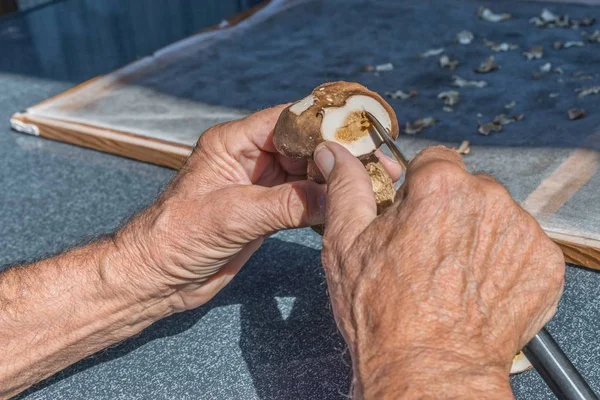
(333, 112)
(337, 112)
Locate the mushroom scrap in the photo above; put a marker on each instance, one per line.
(337, 112)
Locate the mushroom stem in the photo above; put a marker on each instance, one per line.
(381, 181)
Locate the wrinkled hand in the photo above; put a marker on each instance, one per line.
(234, 190)
(444, 288)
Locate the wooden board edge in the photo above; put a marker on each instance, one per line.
(166, 154)
(578, 251)
(580, 255)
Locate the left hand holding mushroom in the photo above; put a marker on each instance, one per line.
(234, 190)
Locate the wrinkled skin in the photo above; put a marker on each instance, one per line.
(444, 287)
(234, 191)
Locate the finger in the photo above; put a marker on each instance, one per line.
(435, 154)
(274, 169)
(225, 274)
(350, 199)
(433, 172)
(250, 142)
(391, 165)
(258, 211)
(291, 166)
(256, 128)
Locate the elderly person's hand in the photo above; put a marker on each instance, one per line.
(233, 191)
(435, 296)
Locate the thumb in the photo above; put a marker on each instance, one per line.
(350, 200)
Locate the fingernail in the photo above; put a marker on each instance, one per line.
(324, 159)
(391, 159)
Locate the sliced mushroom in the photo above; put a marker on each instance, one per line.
(432, 52)
(378, 68)
(412, 128)
(337, 112)
(488, 65)
(520, 364)
(464, 37)
(583, 92)
(548, 19)
(534, 54)
(576, 113)
(594, 37)
(500, 47)
(488, 15)
(445, 61)
(464, 148)
(333, 112)
(461, 82)
(399, 94)
(450, 97)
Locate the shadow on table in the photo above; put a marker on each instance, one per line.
(300, 355)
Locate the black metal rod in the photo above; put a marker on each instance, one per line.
(555, 368)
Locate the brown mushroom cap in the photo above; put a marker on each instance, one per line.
(299, 128)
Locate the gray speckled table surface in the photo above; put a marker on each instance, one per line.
(270, 334)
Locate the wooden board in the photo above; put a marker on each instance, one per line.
(556, 184)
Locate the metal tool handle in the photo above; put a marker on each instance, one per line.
(555, 368)
(385, 137)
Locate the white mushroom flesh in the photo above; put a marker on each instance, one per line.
(348, 125)
(520, 364)
(302, 105)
